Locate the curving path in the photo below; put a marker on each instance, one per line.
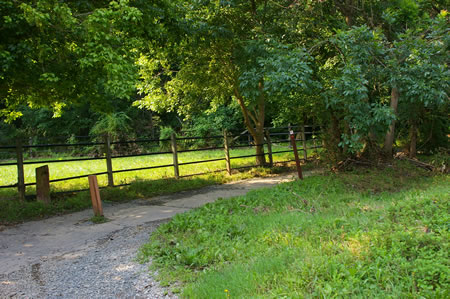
(70, 257)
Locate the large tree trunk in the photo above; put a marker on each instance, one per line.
(389, 139)
(413, 141)
(254, 121)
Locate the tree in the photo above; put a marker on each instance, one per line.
(55, 53)
(239, 50)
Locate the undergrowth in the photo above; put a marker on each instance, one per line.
(367, 233)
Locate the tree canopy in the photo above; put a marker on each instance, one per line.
(371, 73)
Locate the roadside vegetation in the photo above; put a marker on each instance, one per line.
(365, 232)
(14, 211)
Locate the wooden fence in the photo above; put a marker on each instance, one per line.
(229, 142)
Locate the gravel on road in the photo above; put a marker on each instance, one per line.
(105, 269)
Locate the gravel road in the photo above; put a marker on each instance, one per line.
(105, 269)
(70, 257)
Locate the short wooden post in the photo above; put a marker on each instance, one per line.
(269, 148)
(109, 168)
(227, 151)
(43, 184)
(173, 140)
(305, 156)
(95, 195)
(297, 160)
(20, 172)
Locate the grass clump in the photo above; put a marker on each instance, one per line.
(322, 237)
(99, 219)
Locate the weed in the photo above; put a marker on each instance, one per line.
(99, 219)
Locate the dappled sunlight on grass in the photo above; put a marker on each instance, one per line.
(69, 169)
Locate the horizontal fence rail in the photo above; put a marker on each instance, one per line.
(177, 145)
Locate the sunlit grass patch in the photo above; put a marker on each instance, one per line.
(69, 169)
(320, 237)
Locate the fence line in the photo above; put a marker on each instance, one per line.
(228, 144)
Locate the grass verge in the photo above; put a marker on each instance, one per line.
(367, 233)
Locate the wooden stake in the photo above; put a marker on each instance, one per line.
(297, 160)
(95, 195)
(269, 148)
(227, 151)
(173, 140)
(20, 172)
(43, 184)
(109, 168)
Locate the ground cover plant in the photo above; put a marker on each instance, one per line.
(372, 233)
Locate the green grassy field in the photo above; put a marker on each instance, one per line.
(369, 233)
(69, 169)
(143, 184)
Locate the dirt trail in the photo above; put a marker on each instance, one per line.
(33, 254)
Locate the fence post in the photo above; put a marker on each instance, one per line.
(43, 184)
(173, 140)
(269, 147)
(227, 151)
(109, 168)
(305, 156)
(95, 195)
(297, 160)
(20, 172)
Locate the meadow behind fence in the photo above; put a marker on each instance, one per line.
(121, 162)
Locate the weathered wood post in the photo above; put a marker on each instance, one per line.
(176, 169)
(226, 146)
(20, 172)
(95, 195)
(269, 147)
(43, 184)
(297, 160)
(305, 156)
(109, 168)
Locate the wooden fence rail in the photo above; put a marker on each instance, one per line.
(228, 144)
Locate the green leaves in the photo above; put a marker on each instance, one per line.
(55, 51)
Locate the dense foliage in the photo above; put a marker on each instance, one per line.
(373, 74)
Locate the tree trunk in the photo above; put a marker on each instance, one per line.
(260, 157)
(389, 139)
(413, 143)
(254, 121)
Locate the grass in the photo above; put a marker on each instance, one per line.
(99, 219)
(143, 184)
(69, 169)
(370, 233)
(14, 211)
